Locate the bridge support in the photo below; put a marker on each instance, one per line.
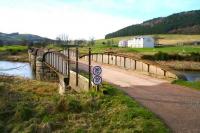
(32, 59)
(53, 66)
(39, 68)
(63, 84)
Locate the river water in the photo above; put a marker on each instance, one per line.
(16, 69)
(191, 75)
(24, 70)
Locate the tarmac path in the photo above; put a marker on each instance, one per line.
(177, 106)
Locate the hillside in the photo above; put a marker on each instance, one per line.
(16, 38)
(180, 23)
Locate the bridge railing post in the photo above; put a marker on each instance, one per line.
(68, 63)
(89, 68)
(77, 68)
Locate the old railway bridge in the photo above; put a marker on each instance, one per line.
(178, 106)
(64, 66)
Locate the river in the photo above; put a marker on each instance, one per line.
(24, 70)
(20, 69)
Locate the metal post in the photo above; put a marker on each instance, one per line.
(77, 71)
(124, 62)
(58, 63)
(102, 58)
(135, 64)
(115, 60)
(108, 58)
(89, 68)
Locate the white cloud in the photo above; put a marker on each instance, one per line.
(50, 21)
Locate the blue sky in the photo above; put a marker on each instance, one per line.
(83, 18)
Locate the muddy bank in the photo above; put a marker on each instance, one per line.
(181, 65)
(18, 57)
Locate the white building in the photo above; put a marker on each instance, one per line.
(123, 43)
(141, 42)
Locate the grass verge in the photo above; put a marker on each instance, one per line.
(193, 85)
(34, 106)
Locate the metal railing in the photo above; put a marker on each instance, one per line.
(57, 61)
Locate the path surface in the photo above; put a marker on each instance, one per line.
(178, 106)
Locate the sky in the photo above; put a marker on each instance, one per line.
(83, 19)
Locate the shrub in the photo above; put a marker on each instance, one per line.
(195, 56)
(161, 56)
(1, 127)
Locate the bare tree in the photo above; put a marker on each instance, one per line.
(62, 39)
(92, 41)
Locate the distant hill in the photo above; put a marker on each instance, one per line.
(180, 23)
(16, 38)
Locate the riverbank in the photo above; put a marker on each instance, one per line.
(14, 53)
(18, 57)
(181, 65)
(192, 85)
(32, 106)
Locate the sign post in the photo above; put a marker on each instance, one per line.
(97, 79)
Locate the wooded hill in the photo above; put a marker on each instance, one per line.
(16, 38)
(180, 23)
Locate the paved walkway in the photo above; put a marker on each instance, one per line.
(178, 106)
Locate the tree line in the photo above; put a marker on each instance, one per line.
(180, 23)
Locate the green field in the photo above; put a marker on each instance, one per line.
(34, 106)
(166, 39)
(167, 49)
(103, 45)
(16, 48)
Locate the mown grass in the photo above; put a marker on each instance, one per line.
(190, 84)
(34, 106)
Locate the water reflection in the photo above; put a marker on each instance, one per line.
(192, 75)
(16, 69)
(24, 70)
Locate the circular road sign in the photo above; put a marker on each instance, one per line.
(96, 70)
(97, 80)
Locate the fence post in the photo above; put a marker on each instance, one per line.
(77, 71)
(89, 67)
